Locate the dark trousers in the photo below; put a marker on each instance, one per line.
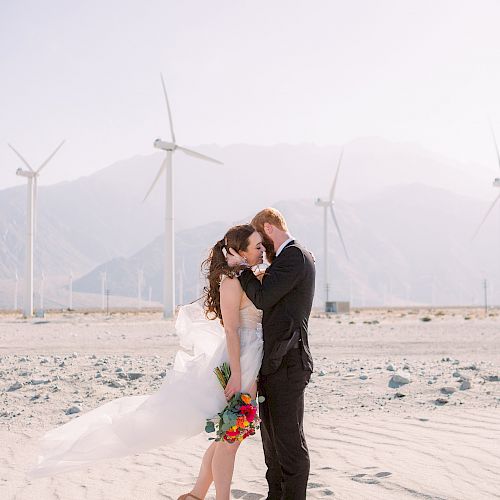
(282, 414)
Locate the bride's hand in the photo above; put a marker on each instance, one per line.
(235, 259)
(233, 386)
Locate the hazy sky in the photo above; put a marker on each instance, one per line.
(263, 72)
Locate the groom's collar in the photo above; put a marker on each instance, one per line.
(283, 245)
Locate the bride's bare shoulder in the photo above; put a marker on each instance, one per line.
(230, 284)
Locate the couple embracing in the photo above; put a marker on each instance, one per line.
(261, 333)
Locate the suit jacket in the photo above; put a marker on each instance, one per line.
(285, 297)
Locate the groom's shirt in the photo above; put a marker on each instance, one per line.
(283, 245)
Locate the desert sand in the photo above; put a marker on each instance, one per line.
(403, 404)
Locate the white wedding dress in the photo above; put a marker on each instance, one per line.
(188, 396)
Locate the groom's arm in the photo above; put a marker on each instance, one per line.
(280, 278)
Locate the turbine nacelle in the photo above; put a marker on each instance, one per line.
(25, 173)
(165, 146)
(322, 203)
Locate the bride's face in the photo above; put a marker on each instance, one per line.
(255, 250)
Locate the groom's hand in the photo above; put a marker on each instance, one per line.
(234, 259)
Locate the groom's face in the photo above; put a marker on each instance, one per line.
(268, 244)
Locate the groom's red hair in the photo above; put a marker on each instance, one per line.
(271, 216)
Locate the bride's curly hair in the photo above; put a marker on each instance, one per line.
(216, 266)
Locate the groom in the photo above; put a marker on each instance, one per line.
(285, 296)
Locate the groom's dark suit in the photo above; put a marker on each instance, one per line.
(285, 296)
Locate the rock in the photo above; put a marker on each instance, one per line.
(93, 356)
(15, 386)
(122, 375)
(406, 366)
(39, 381)
(456, 362)
(162, 374)
(73, 409)
(134, 375)
(448, 390)
(465, 385)
(115, 384)
(456, 374)
(119, 369)
(74, 355)
(322, 373)
(363, 376)
(441, 401)
(390, 368)
(399, 395)
(492, 378)
(98, 375)
(398, 379)
(62, 364)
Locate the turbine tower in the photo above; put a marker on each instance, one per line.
(32, 176)
(169, 256)
(327, 206)
(496, 183)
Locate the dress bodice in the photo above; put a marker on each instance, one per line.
(250, 316)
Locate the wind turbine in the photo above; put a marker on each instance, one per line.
(496, 183)
(32, 176)
(169, 256)
(327, 206)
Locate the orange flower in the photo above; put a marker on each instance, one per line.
(246, 398)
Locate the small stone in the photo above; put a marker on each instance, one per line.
(465, 385)
(115, 384)
(456, 362)
(390, 368)
(74, 355)
(448, 390)
(406, 366)
(363, 376)
(441, 401)
(122, 375)
(119, 369)
(134, 375)
(492, 378)
(397, 380)
(456, 374)
(98, 375)
(39, 381)
(73, 409)
(15, 386)
(322, 373)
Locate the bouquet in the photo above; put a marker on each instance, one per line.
(239, 418)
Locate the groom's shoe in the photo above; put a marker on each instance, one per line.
(187, 496)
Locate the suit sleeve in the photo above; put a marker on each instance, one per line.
(280, 279)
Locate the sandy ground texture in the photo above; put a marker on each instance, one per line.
(403, 404)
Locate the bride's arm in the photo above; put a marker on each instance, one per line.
(230, 299)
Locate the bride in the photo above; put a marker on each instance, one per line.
(190, 393)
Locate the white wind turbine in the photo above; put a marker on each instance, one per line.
(496, 183)
(327, 206)
(32, 176)
(169, 256)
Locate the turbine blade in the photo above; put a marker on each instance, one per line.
(50, 157)
(20, 157)
(332, 190)
(190, 152)
(158, 175)
(486, 216)
(338, 230)
(168, 109)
